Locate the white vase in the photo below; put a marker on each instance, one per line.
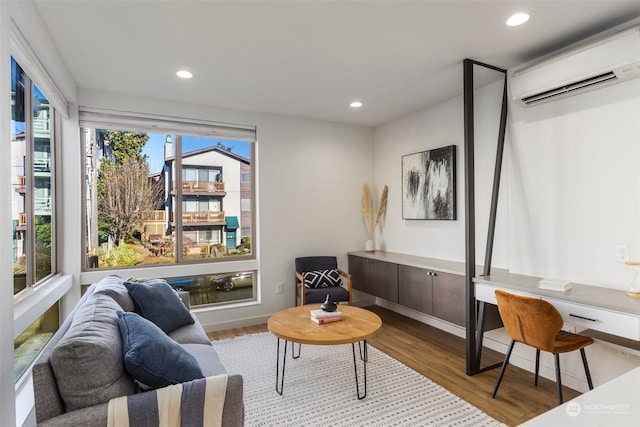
(369, 246)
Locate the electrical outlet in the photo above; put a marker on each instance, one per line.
(622, 253)
(279, 288)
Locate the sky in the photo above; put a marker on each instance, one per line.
(154, 148)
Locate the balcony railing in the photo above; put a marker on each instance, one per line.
(22, 219)
(42, 164)
(203, 216)
(156, 216)
(201, 187)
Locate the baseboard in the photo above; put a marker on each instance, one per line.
(456, 330)
(240, 323)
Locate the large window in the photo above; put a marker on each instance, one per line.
(32, 209)
(168, 198)
(32, 179)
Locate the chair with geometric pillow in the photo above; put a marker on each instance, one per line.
(319, 276)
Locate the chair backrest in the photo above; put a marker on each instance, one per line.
(313, 263)
(529, 320)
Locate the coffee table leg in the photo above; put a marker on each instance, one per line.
(293, 350)
(280, 376)
(364, 358)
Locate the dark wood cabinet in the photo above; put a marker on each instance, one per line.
(374, 277)
(415, 288)
(426, 290)
(449, 297)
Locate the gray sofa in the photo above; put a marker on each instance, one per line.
(82, 367)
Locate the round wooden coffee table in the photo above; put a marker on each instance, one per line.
(295, 325)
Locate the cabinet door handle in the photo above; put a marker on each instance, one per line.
(583, 318)
(434, 274)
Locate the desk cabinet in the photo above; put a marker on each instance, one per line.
(374, 277)
(416, 288)
(426, 290)
(449, 297)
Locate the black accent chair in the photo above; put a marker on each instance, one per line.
(309, 295)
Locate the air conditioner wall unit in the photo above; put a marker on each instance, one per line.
(598, 63)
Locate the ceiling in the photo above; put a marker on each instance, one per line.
(309, 58)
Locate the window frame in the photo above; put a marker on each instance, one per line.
(30, 182)
(92, 118)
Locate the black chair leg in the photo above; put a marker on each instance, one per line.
(537, 365)
(586, 368)
(558, 379)
(504, 367)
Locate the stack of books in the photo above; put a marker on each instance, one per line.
(321, 316)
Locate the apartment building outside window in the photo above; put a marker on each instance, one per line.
(169, 198)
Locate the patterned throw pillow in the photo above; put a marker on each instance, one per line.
(322, 278)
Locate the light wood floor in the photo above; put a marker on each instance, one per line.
(440, 356)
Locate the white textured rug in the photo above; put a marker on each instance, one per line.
(319, 389)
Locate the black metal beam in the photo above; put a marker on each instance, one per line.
(497, 172)
(473, 335)
(469, 207)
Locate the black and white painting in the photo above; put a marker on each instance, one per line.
(429, 184)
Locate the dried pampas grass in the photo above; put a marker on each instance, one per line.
(367, 209)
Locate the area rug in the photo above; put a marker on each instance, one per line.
(319, 389)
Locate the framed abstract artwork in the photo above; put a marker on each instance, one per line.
(429, 184)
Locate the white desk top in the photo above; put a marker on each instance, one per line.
(596, 296)
(616, 403)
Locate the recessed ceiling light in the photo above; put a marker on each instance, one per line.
(356, 104)
(184, 74)
(517, 19)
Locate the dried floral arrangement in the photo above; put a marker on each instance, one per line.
(367, 209)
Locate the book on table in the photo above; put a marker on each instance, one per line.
(320, 314)
(322, 320)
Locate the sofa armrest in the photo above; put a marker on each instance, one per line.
(232, 413)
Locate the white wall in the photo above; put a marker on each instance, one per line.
(435, 127)
(570, 193)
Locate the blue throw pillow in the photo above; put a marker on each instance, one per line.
(322, 278)
(156, 301)
(152, 358)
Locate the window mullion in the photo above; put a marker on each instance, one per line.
(178, 198)
(30, 236)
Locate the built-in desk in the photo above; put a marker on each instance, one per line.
(611, 313)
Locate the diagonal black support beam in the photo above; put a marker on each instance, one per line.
(474, 328)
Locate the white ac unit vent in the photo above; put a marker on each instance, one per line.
(598, 63)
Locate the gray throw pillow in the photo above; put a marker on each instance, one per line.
(87, 363)
(152, 358)
(158, 302)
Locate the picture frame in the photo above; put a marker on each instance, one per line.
(429, 184)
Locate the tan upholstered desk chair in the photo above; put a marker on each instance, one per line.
(537, 323)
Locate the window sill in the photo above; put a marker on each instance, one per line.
(33, 302)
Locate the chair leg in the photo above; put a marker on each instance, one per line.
(504, 367)
(537, 365)
(558, 378)
(586, 368)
